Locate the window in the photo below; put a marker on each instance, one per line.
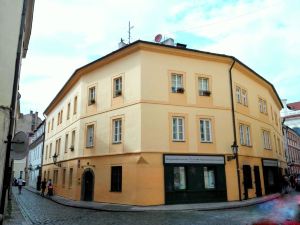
(61, 116)
(90, 136)
(48, 175)
(247, 176)
(70, 177)
(241, 96)
(203, 86)
(178, 129)
(48, 126)
(57, 146)
(55, 176)
(58, 118)
(68, 110)
(50, 150)
(73, 140)
(52, 125)
(245, 135)
(266, 139)
(75, 105)
(205, 130)
(64, 177)
(117, 131)
(92, 95)
(209, 178)
(179, 178)
(46, 155)
(116, 179)
(177, 83)
(66, 143)
(117, 86)
(262, 106)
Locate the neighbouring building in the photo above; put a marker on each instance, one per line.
(291, 115)
(26, 123)
(292, 149)
(35, 154)
(15, 30)
(154, 123)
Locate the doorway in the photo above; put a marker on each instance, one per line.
(87, 185)
(257, 181)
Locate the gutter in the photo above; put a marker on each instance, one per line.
(12, 112)
(234, 127)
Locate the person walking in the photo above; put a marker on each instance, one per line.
(43, 187)
(20, 184)
(50, 188)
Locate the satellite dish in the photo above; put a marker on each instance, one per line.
(19, 146)
(158, 38)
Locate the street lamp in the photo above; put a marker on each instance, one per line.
(30, 167)
(55, 159)
(235, 149)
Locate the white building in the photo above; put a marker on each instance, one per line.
(290, 114)
(35, 156)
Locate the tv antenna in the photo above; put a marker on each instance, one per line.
(129, 32)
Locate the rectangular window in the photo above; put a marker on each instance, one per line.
(117, 86)
(61, 116)
(262, 106)
(177, 83)
(245, 137)
(266, 139)
(64, 177)
(57, 146)
(48, 175)
(117, 131)
(178, 128)
(92, 95)
(203, 86)
(238, 94)
(52, 125)
(209, 178)
(90, 136)
(46, 155)
(205, 130)
(116, 179)
(66, 143)
(50, 150)
(244, 97)
(68, 110)
(48, 126)
(179, 178)
(58, 118)
(75, 105)
(70, 177)
(73, 140)
(55, 176)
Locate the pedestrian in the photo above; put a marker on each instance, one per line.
(285, 184)
(43, 187)
(50, 188)
(292, 181)
(20, 184)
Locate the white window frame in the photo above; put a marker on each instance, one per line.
(90, 131)
(205, 131)
(178, 128)
(203, 84)
(244, 95)
(245, 135)
(266, 139)
(117, 86)
(66, 142)
(117, 131)
(177, 81)
(92, 95)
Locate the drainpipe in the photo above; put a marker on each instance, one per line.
(6, 177)
(234, 129)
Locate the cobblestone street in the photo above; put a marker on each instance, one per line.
(39, 210)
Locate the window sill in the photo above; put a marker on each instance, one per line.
(206, 142)
(269, 149)
(178, 140)
(117, 143)
(115, 191)
(248, 146)
(89, 146)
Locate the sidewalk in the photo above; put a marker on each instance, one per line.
(180, 207)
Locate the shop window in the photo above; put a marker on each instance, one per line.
(179, 178)
(116, 179)
(209, 178)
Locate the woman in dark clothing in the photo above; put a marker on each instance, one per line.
(43, 186)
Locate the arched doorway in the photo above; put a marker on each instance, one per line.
(87, 185)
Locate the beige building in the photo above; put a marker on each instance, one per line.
(154, 124)
(15, 29)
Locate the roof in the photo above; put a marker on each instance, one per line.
(294, 106)
(136, 44)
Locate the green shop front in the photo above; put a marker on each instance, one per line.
(194, 179)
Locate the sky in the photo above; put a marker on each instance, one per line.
(67, 34)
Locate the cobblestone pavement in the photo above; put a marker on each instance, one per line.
(13, 214)
(43, 211)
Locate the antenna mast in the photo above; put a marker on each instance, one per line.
(129, 32)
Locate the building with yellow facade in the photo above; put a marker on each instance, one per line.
(153, 124)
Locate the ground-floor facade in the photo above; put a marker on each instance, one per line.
(161, 178)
